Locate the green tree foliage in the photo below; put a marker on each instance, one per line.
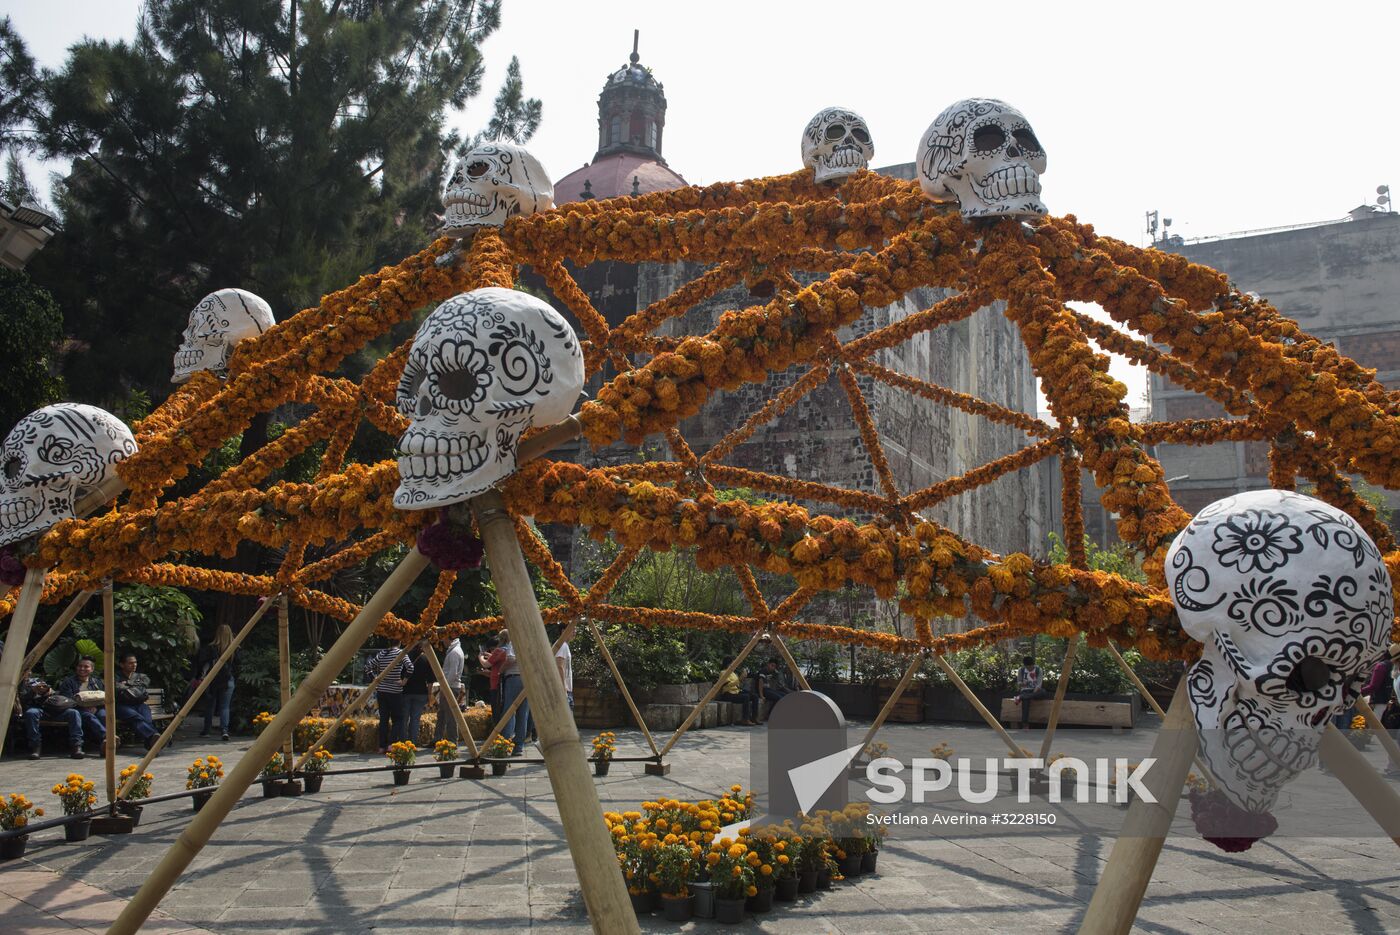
(156, 623)
(284, 146)
(28, 344)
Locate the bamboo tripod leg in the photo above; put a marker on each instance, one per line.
(1152, 702)
(351, 708)
(1125, 877)
(74, 608)
(16, 641)
(892, 700)
(207, 821)
(284, 666)
(448, 699)
(1060, 687)
(580, 812)
(109, 682)
(622, 687)
(710, 695)
(1377, 796)
(977, 705)
(1392, 749)
(791, 662)
(193, 700)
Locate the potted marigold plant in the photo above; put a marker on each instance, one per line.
(787, 852)
(402, 755)
(499, 749)
(762, 858)
(313, 771)
(15, 812)
(811, 854)
(1359, 733)
(140, 789)
(675, 864)
(76, 795)
(733, 878)
(272, 773)
(445, 752)
(203, 775)
(604, 748)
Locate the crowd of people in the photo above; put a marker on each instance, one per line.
(78, 702)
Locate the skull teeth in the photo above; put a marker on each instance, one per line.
(429, 468)
(468, 202)
(18, 511)
(1013, 180)
(845, 156)
(186, 358)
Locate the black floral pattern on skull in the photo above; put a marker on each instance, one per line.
(1267, 603)
(1256, 540)
(458, 375)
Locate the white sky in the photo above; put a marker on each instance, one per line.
(1225, 116)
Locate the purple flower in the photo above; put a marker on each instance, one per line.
(449, 547)
(11, 568)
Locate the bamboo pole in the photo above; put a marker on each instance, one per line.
(1377, 796)
(1151, 703)
(284, 666)
(977, 704)
(74, 608)
(351, 708)
(892, 700)
(16, 641)
(714, 690)
(622, 686)
(1130, 864)
(777, 641)
(1392, 749)
(543, 442)
(194, 698)
(580, 812)
(109, 682)
(444, 692)
(188, 845)
(1060, 687)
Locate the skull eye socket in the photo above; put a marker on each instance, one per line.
(1309, 675)
(477, 169)
(860, 134)
(1026, 140)
(457, 384)
(988, 138)
(12, 467)
(835, 132)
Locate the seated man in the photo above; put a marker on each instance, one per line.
(133, 688)
(772, 685)
(33, 693)
(734, 691)
(94, 717)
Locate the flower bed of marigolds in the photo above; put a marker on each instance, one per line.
(676, 860)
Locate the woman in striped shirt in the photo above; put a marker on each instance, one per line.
(393, 710)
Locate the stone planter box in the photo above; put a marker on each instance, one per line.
(599, 709)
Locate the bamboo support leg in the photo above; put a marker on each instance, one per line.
(365, 694)
(74, 608)
(1152, 702)
(892, 700)
(187, 846)
(447, 700)
(977, 705)
(1377, 796)
(710, 695)
(1060, 688)
(622, 687)
(580, 812)
(193, 701)
(778, 644)
(284, 665)
(109, 682)
(1125, 877)
(16, 641)
(1392, 749)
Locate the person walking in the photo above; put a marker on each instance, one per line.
(493, 660)
(564, 662)
(453, 663)
(393, 713)
(1029, 687)
(218, 697)
(513, 687)
(416, 689)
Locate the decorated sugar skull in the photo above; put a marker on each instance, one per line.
(836, 144)
(1293, 605)
(984, 153)
(485, 366)
(491, 184)
(51, 456)
(217, 323)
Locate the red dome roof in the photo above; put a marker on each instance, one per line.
(612, 175)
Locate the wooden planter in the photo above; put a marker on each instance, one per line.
(909, 709)
(594, 708)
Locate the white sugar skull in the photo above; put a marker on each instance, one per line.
(485, 366)
(217, 323)
(491, 184)
(51, 456)
(836, 144)
(1293, 605)
(984, 153)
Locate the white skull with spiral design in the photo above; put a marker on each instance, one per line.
(216, 325)
(836, 144)
(1293, 605)
(984, 153)
(492, 184)
(51, 456)
(485, 366)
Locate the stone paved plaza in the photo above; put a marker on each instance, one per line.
(458, 855)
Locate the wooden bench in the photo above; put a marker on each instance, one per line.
(1073, 713)
(155, 700)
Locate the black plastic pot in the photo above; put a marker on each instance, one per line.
(445, 770)
(498, 769)
(867, 861)
(311, 782)
(807, 881)
(677, 908)
(13, 848)
(200, 799)
(762, 901)
(401, 777)
(729, 910)
(78, 830)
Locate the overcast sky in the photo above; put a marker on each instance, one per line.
(1225, 116)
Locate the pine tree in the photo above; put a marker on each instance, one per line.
(283, 147)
